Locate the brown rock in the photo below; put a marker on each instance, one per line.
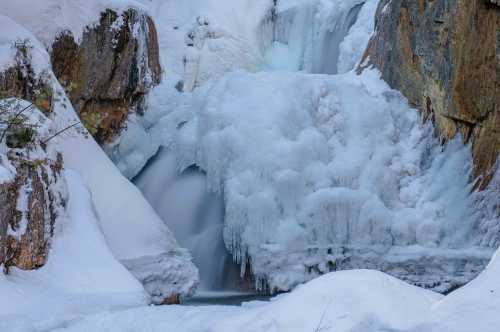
(20, 80)
(444, 56)
(25, 231)
(109, 72)
(173, 299)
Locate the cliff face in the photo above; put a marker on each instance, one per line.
(444, 56)
(108, 72)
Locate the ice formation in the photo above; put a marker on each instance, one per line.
(318, 172)
(195, 216)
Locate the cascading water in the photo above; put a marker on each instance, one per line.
(195, 216)
(307, 37)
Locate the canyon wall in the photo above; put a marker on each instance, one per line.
(444, 56)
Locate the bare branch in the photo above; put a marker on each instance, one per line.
(60, 132)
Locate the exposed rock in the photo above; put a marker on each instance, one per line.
(29, 207)
(108, 73)
(34, 196)
(20, 81)
(444, 56)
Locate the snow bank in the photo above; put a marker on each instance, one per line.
(78, 278)
(474, 307)
(134, 232)
(345, 301)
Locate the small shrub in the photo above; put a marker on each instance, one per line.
(91, 121)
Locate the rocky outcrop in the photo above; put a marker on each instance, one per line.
(444, 56)
(109, 70)
(32, 189)
(21, 82)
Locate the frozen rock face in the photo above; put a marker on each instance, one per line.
(445, 58)
(111, 69)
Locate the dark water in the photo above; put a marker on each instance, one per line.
(223, 298)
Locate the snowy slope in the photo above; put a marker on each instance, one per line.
(133, 231)
(78, 278)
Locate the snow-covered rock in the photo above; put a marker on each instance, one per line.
(133, 231)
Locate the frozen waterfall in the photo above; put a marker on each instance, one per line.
(303, 166)
(195, 216)
(308, 37)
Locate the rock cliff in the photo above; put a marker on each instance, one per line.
(444, 56)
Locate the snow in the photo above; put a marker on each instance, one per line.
(47, 18)
(357, 300)
(7, 171)
(77, 279)
(13, 32)
(317, 172)
(350, 301)
(474, 307)
(133, 231)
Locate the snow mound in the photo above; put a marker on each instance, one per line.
(77, 279)
(358, 300)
